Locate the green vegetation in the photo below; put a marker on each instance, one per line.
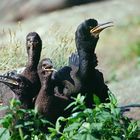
(102, 122)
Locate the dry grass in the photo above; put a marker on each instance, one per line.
(122, 42)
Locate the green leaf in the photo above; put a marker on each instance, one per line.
(58, 125)
(90, 137)
(4, 134)
(87, 137)
(97, 126)
(77, 136)
(52, 130)
(21, 133)
(96, 100)
(83, 137)
(19, 126)
(70, 105)
(112, 98)
(72, 127)
(3, 108)
(116, 138)
(28, 123)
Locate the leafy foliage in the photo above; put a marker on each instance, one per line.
(23, 124)
(102, 122)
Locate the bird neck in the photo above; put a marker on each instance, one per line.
(86, 49)
(86, 57)
(87, 46)
(33, 61)
(85, 64)
(46, 85)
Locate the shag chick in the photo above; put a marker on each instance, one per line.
(49, 104)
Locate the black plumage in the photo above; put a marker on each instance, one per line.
(80, 76)
(49, 104)
(21, 87)
(28, 82)
(86, 79)
(33, 47)
(86, 38)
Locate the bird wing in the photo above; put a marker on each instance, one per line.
(14, 72)
(74, 61)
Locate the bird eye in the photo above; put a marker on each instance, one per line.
(35, 41)
(90, 27)
(19, 94)
(43, 65)
(28, 39)
(21, 84)
(49, 67)
(28, 47)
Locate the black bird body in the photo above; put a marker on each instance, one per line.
(91, 79)
(26, 85)
(49, 104)
(66, 78)
(85, 79)
(21, 87)
(33, 47)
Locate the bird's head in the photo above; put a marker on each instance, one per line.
(20, 85)
(45, 69)
(33, 44)
(91, 29)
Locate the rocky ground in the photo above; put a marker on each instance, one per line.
(58, 25)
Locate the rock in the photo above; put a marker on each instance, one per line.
(128, 92)
(31, 8)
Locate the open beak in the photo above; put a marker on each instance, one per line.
(100, 27)
(7, 80)
(49, 69)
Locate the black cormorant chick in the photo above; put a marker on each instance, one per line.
(21, 87)
(86, 79)
(49, 104)
(29, 76)
(33, 47)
